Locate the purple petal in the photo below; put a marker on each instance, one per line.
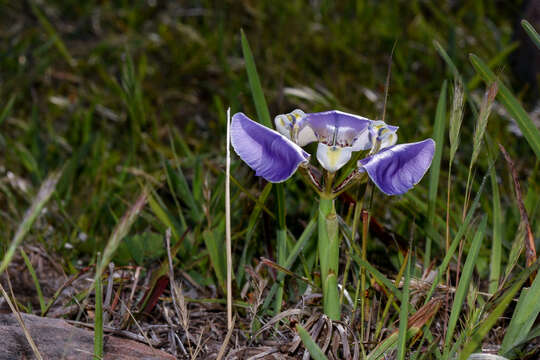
(270, 154)
(395, 170)
(332, 128)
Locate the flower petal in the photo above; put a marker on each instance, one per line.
(332, 158)
(384, 133)
(396, 169)
(285, 122)
(335, 128)
(270, 154)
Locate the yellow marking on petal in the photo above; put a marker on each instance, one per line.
(333, 155)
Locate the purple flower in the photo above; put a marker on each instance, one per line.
(395, 170)
(270, 154)
(277, 155)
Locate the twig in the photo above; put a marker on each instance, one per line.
(530, 248)
(226, 341)
(228, 223)
(21, 323)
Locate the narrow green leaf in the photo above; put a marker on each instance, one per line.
(497, 221)
(264, 118)
(389, 344)
(291, 258)
(455, 71)
(314, 349)
(455, 242)
(510, 102)
(502, 303)
(434, 172)
(120, 231)
(32, 271)
(6, 111)
(525, 314)
(44, 194)
(464, 282)
(164, 216)
(404, 312)
(98, 313)
(531, 32)
(256, 90)
(379, 276)
(215, 245)
(52, 33)
(181, 187)
(446, 58)
(253, 220)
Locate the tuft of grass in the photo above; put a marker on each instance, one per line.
(510, 102)
(464, 284)
(45, 192)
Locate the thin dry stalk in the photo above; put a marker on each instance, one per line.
(530, 248)
(177, 296)
(223, 347)
(228, 222)
(21, 323)
(139, 327)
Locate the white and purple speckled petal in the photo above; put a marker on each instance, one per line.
(285, 123)
(395, 170)
(335, 128)
(270, 154)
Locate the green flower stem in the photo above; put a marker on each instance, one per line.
(329, 257)
(281, 236)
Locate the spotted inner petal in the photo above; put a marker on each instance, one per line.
(285, 123)
(333, 128)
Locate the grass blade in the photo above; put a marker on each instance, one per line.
(120, 231)
(291, 258)
(404, 311)
(254, 83)
(98, 317)
(6, 111)
(32, 272)
(481, 331)
(49, 29)
(415, 323)
(455, 242)
(434, 172)
(464, 282)
(253, 220)
(510, 102)
(213, 239)
(264, 118)
(531, 32)
(497, 221)
(182, 190)
(44, 194)
(314, 349)
(525, 314)
(379, 277)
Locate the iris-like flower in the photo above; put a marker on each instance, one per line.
(276, 155)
